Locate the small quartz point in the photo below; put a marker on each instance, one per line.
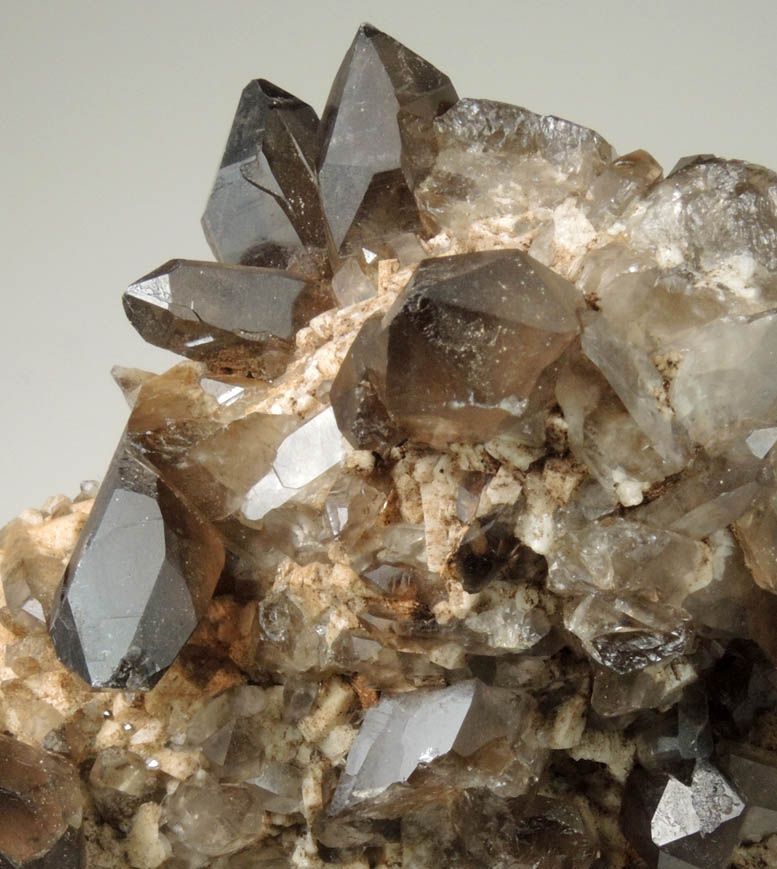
(28, 576)
(714, 492)
(138, 582)
(264, 197)
(120, 782)
(350, 285)
(627, 635)
(41, 810)
(302, 457)
(625, 181)
(363, 187)
(213, 817)
(233, 318)
(604, 436)
(404, 731)
(129, 381)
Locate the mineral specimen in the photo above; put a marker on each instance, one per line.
(451, 543)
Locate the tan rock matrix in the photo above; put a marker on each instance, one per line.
(451, 542)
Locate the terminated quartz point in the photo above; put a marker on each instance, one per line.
(301, 458)
(137, 584)
(233, 318)
(401, 733)
(455, 336)
(380, 85)
(460, 514)
(41, 808)
(674, 824)
(452, 341)
(263, 205)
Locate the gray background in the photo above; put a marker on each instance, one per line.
(114, 116)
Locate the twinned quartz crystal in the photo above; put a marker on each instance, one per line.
(452, 539)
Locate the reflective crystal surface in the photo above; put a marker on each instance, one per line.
(452, 543)
(452, 342)
(264, 199)
(400, 733)
(380, 82)
(138, 582)
(302, 457)
(233, 318)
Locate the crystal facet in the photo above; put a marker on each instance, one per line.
(138, 583)
(233, 318)
(263, 200)
(379, 83)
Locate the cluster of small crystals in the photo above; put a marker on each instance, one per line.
(453, 541)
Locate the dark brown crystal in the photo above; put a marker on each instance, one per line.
(139, 581)
(363, 188)
(41, 810)
(264, 198)
(233, 318)
(469, 340)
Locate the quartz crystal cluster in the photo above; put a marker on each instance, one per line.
(452, 540)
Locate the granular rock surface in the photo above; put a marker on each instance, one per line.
(451, 542)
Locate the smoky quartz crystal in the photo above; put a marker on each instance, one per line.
(450, 543)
